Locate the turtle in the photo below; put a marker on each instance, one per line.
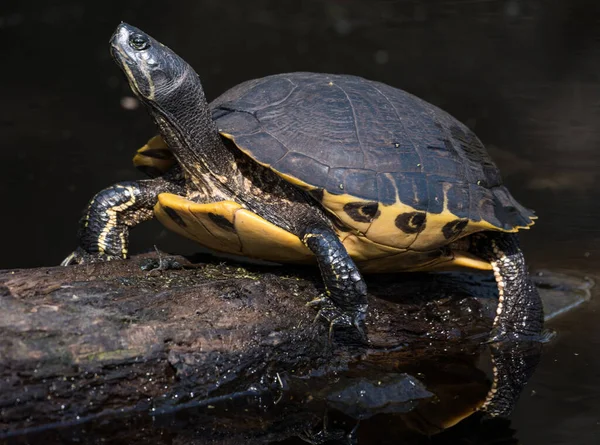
(352, 174)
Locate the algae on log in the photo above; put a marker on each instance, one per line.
(81, 341)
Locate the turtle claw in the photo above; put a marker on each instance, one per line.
(71, 259)
(343, 321)
(80, 256)
(337, 318)
(320, 301)
(161, 264)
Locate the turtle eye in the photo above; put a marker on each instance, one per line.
(139, 42)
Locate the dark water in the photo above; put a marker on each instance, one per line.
(525, 75)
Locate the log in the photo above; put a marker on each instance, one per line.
(109, 340)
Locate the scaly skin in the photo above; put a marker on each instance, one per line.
(104, 227)
(513, 365)
(345, 299)
(520, 314)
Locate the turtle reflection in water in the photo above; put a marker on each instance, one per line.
(299, 167)
(425, 403)
(449, 390)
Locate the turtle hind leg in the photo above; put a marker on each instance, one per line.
(104, 227)
(345, 301)
(519, 315)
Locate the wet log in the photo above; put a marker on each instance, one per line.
(108, 338)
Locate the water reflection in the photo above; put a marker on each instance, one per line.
(381, 399)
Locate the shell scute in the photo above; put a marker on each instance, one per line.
(355, 141)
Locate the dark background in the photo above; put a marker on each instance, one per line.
(524, 74)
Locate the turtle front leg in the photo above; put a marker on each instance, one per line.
(104, 227)
(519, 315)
(345, 299)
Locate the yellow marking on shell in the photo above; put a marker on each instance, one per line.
(467, 260)
(112, 214)
(433, 235)
(413, 261)
(335, 204)
(249, 235)
(383, 229)
(253, 236)
(154, 143)
(362, 249)
(198, 224)
(227, 135)
(262, 239)
(297, 182)
(372, 257)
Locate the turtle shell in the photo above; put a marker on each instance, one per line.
(391, 167)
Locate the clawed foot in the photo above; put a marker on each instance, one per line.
(340, 319)
(80, 256)
(161, 263)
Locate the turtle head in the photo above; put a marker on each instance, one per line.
(154, 71)
(171, 91)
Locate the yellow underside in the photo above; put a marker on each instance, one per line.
(155, 143)
(227, 227)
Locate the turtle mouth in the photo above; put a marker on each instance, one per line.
(126, 65)
(136, 73)
(118, 43)
(118, 56)
(121, 58)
